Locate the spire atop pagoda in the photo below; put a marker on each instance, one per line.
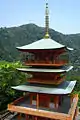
(47, 21)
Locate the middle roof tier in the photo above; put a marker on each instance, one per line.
(59, 70)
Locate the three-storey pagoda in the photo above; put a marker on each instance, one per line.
(48, 95)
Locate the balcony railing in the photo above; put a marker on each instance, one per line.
(22, 106)
(46, 63)
(47, 81)
(73, 111)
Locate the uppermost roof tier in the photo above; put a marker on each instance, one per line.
(44, 44)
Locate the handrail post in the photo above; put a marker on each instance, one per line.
(37, 103)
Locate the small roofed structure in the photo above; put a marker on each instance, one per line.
(48, 95)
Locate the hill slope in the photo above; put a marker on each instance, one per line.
(25, 34)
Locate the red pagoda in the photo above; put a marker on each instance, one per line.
(48, 95)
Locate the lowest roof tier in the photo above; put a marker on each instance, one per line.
(65, 87)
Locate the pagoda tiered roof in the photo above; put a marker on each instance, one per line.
(65, 87)
(43, 44)
(59, 70)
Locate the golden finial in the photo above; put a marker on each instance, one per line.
(47, 22)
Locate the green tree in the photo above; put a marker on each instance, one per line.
(9, 76)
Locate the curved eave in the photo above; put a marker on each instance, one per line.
(43, 44)
(65, 69)
(27, 50)
(69, 48)
(64, 88)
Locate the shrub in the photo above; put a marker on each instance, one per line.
(9, 76)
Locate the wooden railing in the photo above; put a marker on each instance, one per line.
(73, 110)
(39, 112)
(36, 111)
(47, 81)
(47, 63)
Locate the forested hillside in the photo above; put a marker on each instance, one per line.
(25, 34)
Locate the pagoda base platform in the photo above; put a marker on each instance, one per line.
(23, 117)
(67, 111)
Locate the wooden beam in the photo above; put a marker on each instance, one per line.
(19, 116)
(42, 63)
(39, 112)
(37, 102)
(56, 101)
(47, 81)
(26, 116)
(73, 106)
(19, 100)
(31, 98)
(76, 111)
(35, 118)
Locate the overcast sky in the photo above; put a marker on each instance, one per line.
(64, 14)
